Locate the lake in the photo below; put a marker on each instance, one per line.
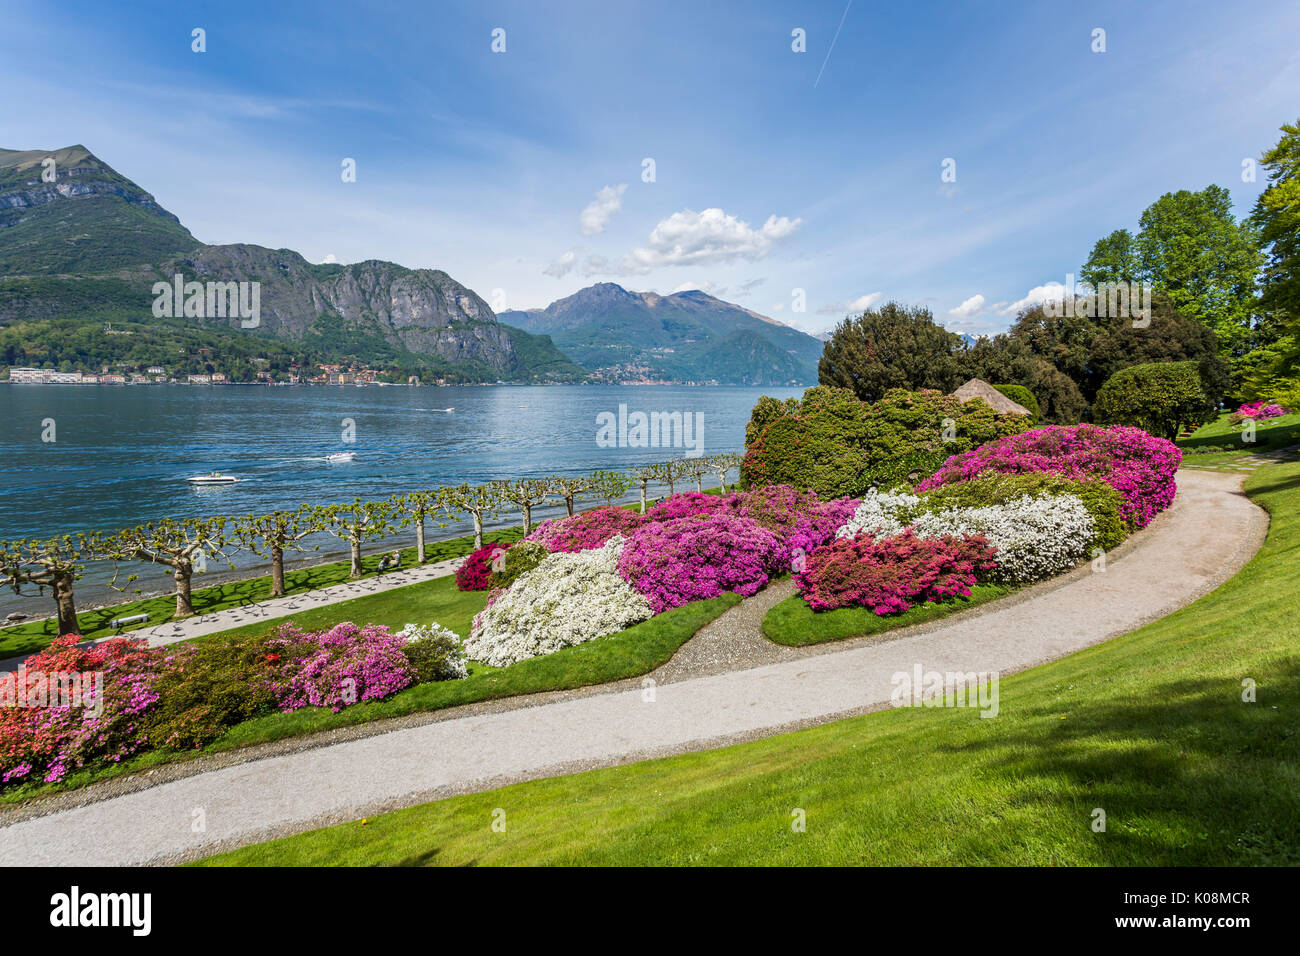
(120, 454)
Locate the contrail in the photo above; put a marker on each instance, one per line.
(832, 46)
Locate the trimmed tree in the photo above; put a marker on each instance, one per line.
(610, 485)
(477, 501)
(55, 564)
(696, 468)
(1021, 396)
(356, 523)
(1160, 397)
(723, 464)
(569, 488)
(526, 494)
(273, 534)
(669, 472)
(416, 507)
(184, 546)
(643, 475)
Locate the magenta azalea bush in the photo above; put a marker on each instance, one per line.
(688, 505)
(672, 563)
(585, 530)
(475, 572)
(893, 574)
(349, 665)
(1136, 464)
(802, 521)
(1258, 411)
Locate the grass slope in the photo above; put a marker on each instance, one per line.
(1151, 727)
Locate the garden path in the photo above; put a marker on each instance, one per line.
(1208, 534)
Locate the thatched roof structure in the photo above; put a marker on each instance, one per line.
(978, 388)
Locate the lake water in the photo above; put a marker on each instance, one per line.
(120, 455)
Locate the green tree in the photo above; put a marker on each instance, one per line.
(56, 564)
(610, 485)
(416, 507)
(1276, 216)
(477, 501)
(526, 494)
(890, 347)
(184, 546)
(356, 523)
(1113, 259)
(568, 487)
(275, 533)
(1161, 398)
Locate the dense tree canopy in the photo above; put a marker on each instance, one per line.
(890, 347)
(1277, 218)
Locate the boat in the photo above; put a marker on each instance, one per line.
(339, 457)
(213, 478)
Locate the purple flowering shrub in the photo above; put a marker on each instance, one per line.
(1259, 411)
(675, 562)
(1136, 464)
(893, 574)
(802, 521)
(585, 530)
(345, 665)
(689, 504)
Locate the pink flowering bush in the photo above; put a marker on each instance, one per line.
(345, 665)
(799, 518)
(1257, 411)
(671, 563)
(475, 572)
(44, 735)
(1136, 464)
(893, 574)
(585, 530)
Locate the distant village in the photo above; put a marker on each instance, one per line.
(157, 375)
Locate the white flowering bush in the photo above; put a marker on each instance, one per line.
(882, 514)
(568, 599)
(436, 652)
(1036, 536)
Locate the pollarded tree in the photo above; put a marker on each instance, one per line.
(611, 485)
(722, 464)
(890, 347)
(643, 475)
(1161, 398)
(417, 507)
(273, 534)
(526, 494)
(569, 487)
(356, 523)
(669, 472)
(184, 546)
(55, 564)
(477, 501)
(696, 468)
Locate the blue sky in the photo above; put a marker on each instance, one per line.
(520, 173)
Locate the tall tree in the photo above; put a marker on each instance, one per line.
(890, 347)
(416, 508)
(1113, 259)
(643, 475)
(1277, 217)
(55, 564)
(1192, 249)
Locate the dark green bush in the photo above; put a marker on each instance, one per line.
(1022, 396)
(521, 558)
(1160, 397)
(434, 658)
(835, 445)
(1102, 501)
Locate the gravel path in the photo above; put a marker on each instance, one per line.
(1208, 534)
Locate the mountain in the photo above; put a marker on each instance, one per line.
(89, 246)
(683, 337)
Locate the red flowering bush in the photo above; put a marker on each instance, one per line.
(585, 530)
(1136, 464)
(67, 706)
(475, 572)
(671, 563)
(892, 574)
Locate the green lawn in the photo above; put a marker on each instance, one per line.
(795, 624)
(32, 636)
(1270, 433)
(1150, 727)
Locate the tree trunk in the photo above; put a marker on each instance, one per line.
(181, 575)
(355, 543)
(419, 541)
(527, 511)
(67, 605)
(699, 484)
(277, 571)
(478, 530)
(643, 484)
(568, 503)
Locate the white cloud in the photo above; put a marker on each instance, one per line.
(1035, 296)
(690, 238)
(970, 307)
(330, 258)
(562, 266)
(601, 209)
(860, 304)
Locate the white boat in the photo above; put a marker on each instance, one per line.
(341, 456)
(213, 478)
